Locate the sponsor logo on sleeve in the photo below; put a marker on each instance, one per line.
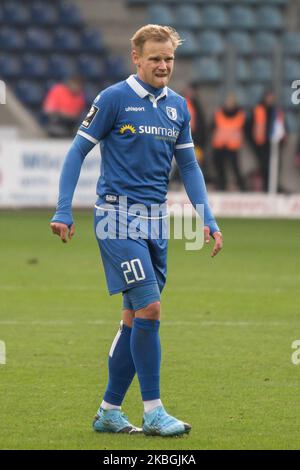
(90, 116)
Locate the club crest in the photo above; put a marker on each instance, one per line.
(172, 113)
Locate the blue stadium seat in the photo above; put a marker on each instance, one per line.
(265, 43)
(43, 13)
(91, 90)
(241, 41)
(189, 47)
(14, 13)
(254, 94)
(91, 41)
(207, 70)
(269, 18)
(10, 66)
(160, 14)
(34, 66)
(66, 40)
(291, 43)
(242, 18)
(188, 16)
(30, 93)
(90, 67)
(261, 70)
(291, 70)
(61, 66)
(210, 43)
(242, 70)
(69, 14)
(11, 39)
(114, 67)
(214, 17)
(38, 39)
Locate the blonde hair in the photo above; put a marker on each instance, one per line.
(155, 32)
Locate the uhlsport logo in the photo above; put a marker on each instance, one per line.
(128, 128)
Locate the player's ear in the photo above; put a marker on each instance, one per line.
(135, 57)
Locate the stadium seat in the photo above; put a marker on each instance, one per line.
(61, 66)
(210, 43)
(30, 93)
(241, 41)
(38, 39)
(91, 90)
(242, 18)
(261, 70)
(160, 14)
(114, 67)
(189, 47)
(11, 39)
(291, 70)
(265, 43)
(43, 13)
(188, 16)
(291, 44)
(66, 40)
(269, 18)
(10, 66)
(14, 13)
(214, 17)
(91, 41)
(207, 70)
(69, 14)
(34, 66)
(242, 70)
(254, 94)
(90, 67)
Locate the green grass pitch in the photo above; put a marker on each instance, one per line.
(227, 328)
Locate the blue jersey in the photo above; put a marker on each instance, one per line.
(138, 134)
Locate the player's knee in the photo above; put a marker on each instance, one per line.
(150, 312)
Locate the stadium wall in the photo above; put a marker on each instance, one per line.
(30, 169)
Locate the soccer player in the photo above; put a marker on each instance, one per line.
(140, 124)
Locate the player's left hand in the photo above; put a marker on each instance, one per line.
(218, 240)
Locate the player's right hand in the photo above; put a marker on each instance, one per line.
(63, 231)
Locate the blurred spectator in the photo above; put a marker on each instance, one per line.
(227, 139)
(266, 122)
(64, 105)
(198, 124)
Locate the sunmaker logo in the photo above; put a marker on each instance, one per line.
(163, 133)
(127, 128)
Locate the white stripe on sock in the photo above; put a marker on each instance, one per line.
(149, 405)
(108, 406)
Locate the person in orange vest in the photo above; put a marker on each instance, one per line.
(64, 105)
(227, 140)
(265, 120)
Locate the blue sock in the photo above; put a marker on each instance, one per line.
(120, 366)
(145, 350)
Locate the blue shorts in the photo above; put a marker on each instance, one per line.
(133, 250)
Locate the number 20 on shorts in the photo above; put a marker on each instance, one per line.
(133, 270)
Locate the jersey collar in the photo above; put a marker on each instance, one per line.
(142, 92)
